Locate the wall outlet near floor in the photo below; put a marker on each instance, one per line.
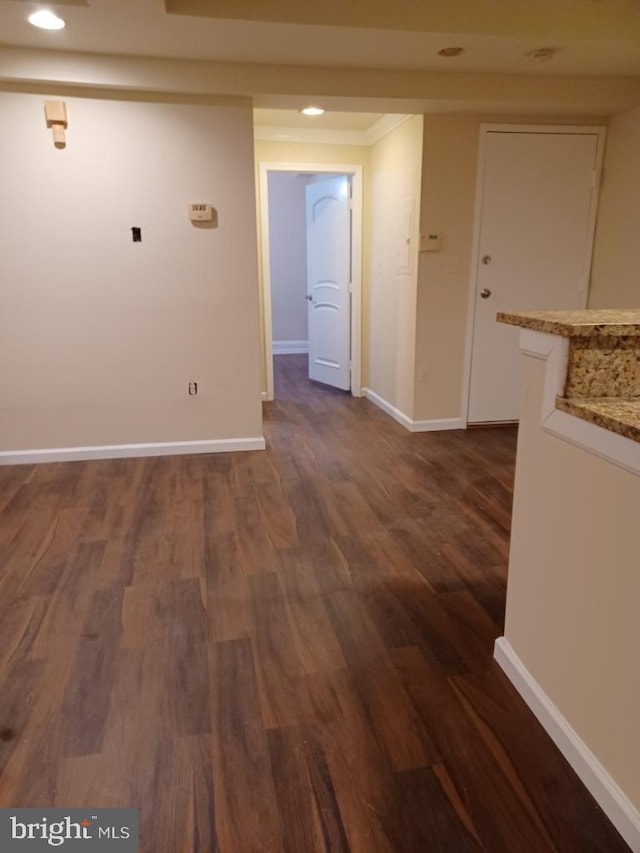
(193, 389)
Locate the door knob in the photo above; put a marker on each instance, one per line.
(485, 293)
(486, 259)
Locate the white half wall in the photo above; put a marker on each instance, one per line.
(571, 629)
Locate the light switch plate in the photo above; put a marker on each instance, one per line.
(431, 241)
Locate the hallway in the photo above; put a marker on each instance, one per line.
(287, 650)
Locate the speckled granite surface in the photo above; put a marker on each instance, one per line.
(603, 370)
(585, 323)
(612, 413)
(603, 366)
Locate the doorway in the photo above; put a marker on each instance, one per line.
(535, 218)
(332, 286)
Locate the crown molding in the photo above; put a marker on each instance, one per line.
(383, 126)
(378, 130)
(279, 133)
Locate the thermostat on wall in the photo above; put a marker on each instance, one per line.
(200, 212)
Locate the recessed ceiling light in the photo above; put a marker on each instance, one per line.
(451, 51)
(46, 20)
(312, 111)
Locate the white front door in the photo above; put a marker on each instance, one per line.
(328, 280)
(535, 236)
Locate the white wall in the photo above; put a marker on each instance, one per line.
(320, 153)
(574, 586)
(288, 256)
(99, 336)
(615, 282)
(396, 165)
(448, 199)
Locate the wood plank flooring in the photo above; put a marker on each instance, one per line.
(279, 652)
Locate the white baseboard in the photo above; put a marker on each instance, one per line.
(123, 451)
(609, 796)
(406, 421)
(435, 425)
(381, 403)
(290, 347)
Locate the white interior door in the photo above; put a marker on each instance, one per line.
(535, 238)
(328, 280)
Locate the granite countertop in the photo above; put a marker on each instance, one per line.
(618, 414)
(603, 367)
(588, 323)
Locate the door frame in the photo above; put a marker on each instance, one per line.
(485, 129)
(355, 173)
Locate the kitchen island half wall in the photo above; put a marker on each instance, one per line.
(572, 631)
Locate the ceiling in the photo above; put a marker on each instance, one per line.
(282, 51)
(592, 36)
(584, 19)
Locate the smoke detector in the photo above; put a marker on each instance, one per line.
(450, 51)
(542, 54)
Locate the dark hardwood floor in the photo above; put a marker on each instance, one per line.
(287, 650)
